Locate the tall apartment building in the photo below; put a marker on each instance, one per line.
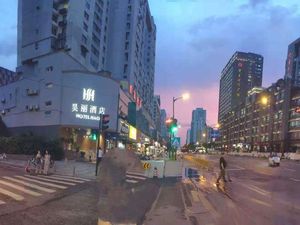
(111, 35)
(198, 125)
(242, 73)
(188, 137)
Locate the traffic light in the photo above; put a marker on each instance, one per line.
(104, 122)
(172, 125)
(94, 134)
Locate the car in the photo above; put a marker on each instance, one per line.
(274, 160)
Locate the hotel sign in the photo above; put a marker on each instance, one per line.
(87, 110)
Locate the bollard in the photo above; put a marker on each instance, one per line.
(73, 171)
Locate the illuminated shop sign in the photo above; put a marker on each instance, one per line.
(132, 132)
(87, 111)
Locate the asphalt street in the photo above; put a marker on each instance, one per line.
(45, 200)
(258, 194)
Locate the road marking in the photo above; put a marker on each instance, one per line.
(17, 187)
(131, 181)
(70, 177)
(31, 185)
(234, 169)
(260, 202)
(289, 169)
(44, 183)
(256, 189)
(63, 179)
(52, 180)
(12, 195)
(136, 177)
(208, 205)
(2, 202)
(293, 179)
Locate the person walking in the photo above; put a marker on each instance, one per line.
(222, 174)
(99, 158)
(38, 161)
(47, 159)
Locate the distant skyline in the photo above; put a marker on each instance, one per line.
(195, 39)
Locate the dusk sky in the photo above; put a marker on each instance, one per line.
(195, 39)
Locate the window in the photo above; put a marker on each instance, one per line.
(86, 15)
(125, 68)
(126, 45)
(36, 45)
(126, 56)
(48, 103)
(127, 36)
(84, 39)
(85, 26)
(128, 25)
(49, 68)
(49, 85)
(95, 51)
(87, 5)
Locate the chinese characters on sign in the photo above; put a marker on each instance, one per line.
(86, 111)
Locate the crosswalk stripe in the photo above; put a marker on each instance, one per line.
(17, 187)
(136, 177)
(2, 202)
(70, 177)
(31, 185)
(63, 179)
(44, 183)
(12, 195)
(131, 181)
(51, 180)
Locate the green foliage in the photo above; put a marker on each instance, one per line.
(29, 145)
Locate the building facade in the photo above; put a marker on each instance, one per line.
(69, 71)
(188, 137)
(242, 73)
(163, 126)
(116, 36)
(198, 125)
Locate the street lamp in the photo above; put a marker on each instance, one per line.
(265, 100)
(184, 96)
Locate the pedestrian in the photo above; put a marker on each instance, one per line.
(223, 165)
(99, 158)
(38, 160)
(47, 159)
(155, 173)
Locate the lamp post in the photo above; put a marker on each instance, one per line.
(185, 96)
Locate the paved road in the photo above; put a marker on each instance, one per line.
(55, 199)
(258, 194)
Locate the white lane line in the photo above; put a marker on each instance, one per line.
(11, 194)
(289, 169)
(51, 180)
(44, 183)
(261, 202)
(70, 177)
(2, 202)
(31, 185)
(293, 179)
(20, 188)
(62, 179)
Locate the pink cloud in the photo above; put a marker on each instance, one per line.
(206, 98)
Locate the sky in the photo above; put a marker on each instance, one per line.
(195, 39)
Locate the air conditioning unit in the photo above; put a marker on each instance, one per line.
(37, 107)
(3, 100)
(30, 108)
(3, 112)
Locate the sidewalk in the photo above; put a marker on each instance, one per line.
(68, 168)
(168, 208)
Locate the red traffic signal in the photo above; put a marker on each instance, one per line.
(104, 122)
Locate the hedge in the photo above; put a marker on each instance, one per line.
(29, 145)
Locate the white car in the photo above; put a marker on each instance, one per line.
(274, 160)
